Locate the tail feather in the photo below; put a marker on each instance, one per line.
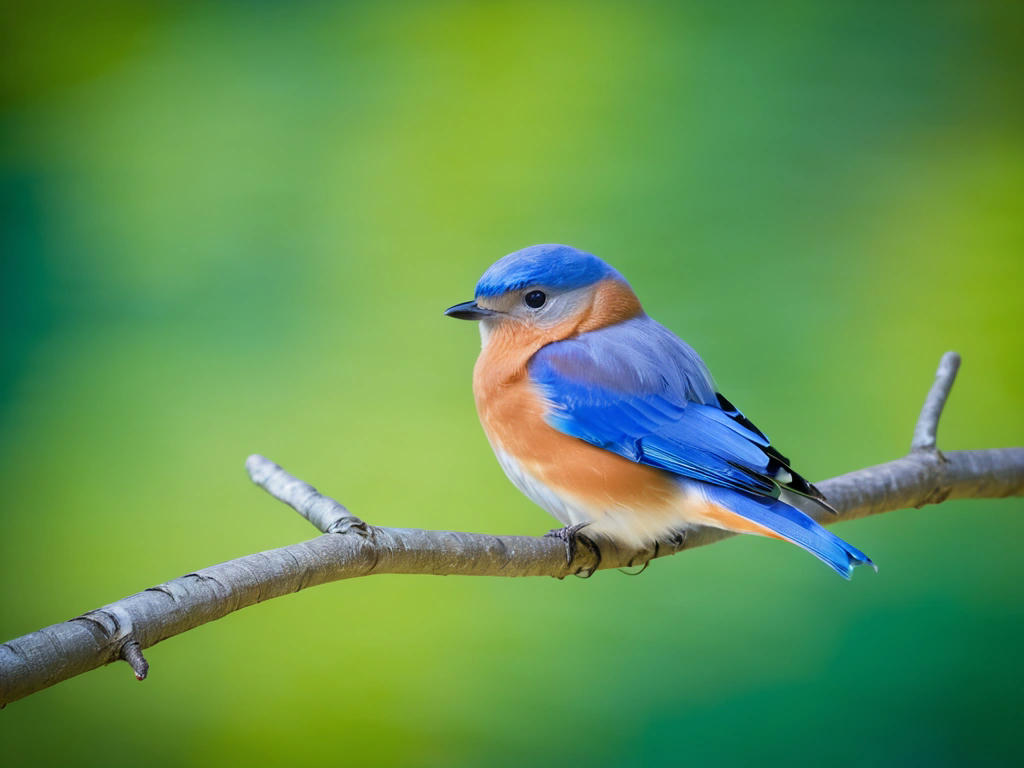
(791, 524)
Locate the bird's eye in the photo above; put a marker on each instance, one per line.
(535, 299)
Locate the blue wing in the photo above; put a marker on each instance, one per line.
(639, 391)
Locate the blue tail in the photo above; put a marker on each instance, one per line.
(793, 525)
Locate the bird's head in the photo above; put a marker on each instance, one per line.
(547, 293)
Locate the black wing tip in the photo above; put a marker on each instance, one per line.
(797, 483)
(819, 497)
(737, 415)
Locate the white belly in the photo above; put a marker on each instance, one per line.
(563, 509)
(637, 528)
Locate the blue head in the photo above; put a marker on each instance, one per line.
(556, 267)
(545, 286)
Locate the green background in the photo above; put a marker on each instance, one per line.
(232, 228)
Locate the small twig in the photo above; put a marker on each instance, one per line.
(132, 653)
(928, 421)
(326, 514)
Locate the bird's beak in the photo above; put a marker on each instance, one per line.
(468, 310)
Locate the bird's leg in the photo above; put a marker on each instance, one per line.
(570, 535)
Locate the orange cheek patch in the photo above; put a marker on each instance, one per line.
(613, 302)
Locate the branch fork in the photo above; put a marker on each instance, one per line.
(924, 445)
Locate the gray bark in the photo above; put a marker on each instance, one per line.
(349, 548)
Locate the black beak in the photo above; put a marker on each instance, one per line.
(468, 310)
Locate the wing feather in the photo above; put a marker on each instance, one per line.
(639, 391)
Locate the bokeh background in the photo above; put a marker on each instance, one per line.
(232, 228)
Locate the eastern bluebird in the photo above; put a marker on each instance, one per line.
(608, 420)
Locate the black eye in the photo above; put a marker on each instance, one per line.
(535, 299)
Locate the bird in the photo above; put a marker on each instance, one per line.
(613, 424)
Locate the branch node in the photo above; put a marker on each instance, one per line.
(131, 652)
(349, 524)
(928, 422)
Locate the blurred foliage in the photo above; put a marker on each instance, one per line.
(232, 227)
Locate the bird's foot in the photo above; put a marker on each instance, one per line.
(673, 541)
(571, 536)
(568, 535)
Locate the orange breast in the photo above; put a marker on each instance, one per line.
(512, 416)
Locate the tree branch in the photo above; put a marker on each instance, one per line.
(349, 548)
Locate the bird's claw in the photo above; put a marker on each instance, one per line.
(676, 539)
(571, 535)
(568, 536)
